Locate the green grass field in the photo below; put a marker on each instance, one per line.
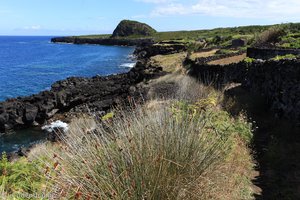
(221, 37)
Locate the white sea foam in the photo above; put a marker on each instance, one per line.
(128, 65)
(56, 125)
(131, 56)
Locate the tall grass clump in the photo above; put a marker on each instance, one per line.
(143, 154)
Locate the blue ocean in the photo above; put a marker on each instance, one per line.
(29, 65)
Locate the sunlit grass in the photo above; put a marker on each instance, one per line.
(161, 153)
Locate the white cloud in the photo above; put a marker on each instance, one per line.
(171, 9)
(35, 27)
(278, 9)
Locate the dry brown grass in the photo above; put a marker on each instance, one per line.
(232, 179)
(177, 86)
(227, 61)
(203, 54)
(169, 63)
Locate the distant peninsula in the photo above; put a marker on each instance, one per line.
(127, 33)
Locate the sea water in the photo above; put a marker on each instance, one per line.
(29, 65)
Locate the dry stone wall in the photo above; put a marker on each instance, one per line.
(267, 53)
(278, 81)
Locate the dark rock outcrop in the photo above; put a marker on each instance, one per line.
(73, 94)
(128, 28)
(146, 51)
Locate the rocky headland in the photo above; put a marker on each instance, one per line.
(127, 33)
(128, 28)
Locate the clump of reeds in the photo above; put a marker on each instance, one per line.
(160, 153)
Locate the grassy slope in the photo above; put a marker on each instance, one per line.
(219, 37)
(235, 32)
(187, 149)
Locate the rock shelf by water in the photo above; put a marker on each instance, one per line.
(76, 94)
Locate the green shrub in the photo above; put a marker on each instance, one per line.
(291, 41)
(249, 60)
(288, 56)
(194, 46)
(19, 177)
(270, 36)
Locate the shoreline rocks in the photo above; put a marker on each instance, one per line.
(74, 94)
(77, 94)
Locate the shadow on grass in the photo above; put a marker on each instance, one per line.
(276, 146)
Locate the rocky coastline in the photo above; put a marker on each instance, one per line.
(75, 94)
(98, 94)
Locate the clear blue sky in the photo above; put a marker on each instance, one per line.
(74, 17)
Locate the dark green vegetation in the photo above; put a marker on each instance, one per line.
(131, 28)
(20, 176)
(291, 40)
(280, 35)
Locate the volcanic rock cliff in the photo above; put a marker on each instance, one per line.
(128, 28)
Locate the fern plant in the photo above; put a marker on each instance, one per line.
(20, 176)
